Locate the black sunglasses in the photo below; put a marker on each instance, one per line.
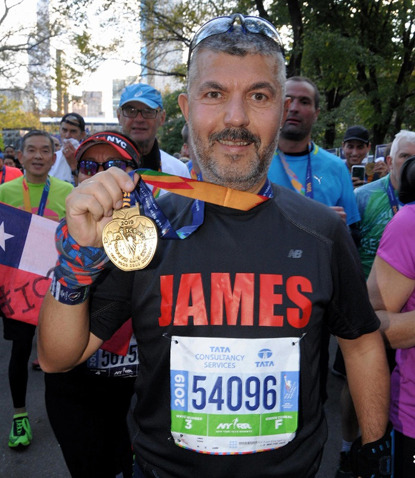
(225, 24)
(89, 167)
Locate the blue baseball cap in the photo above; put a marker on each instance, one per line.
(143, 93)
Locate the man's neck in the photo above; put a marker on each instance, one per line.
(291, 146)
(146, 147)
(35, 179)
(394, 183)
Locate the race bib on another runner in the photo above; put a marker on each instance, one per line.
(232, 396)
(108, 364)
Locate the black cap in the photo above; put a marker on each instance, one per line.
(407, 181)
(358, 133)
(74, 119)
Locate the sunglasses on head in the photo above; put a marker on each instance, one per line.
(225, 24)
(90, 167)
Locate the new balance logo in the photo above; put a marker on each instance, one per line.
(295, 253)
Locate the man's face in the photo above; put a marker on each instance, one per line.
(355, 151)
(142, 131)
(99, 153)
(8, 162)
(67, 130)
(9, 150)
(37, 158)
(57, 144)
(302, 113)
(405, 150)
(234, 110)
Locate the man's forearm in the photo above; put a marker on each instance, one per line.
(398, 328)
(369, 383)
(64, 339)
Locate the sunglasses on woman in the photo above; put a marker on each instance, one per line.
(90, 167)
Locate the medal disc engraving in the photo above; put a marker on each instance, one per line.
(130, 239)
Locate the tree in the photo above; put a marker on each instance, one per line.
(62, 26)
(170, 134)
(359, 52)
(13, 117)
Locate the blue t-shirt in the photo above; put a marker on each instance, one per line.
(331, 182)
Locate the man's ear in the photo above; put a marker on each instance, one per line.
(162, 118)
(316, 115)
(287, 102)
(183, 101)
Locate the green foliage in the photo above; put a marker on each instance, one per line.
(12, 115)
(361, 54)
(170, 137)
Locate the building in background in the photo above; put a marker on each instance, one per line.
(43, 84)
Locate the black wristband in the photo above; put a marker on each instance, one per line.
(374, 459)
(74, 172)
(68, 296)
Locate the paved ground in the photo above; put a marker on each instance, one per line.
(43, 459)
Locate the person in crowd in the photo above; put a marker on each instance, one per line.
(10, 161)
(8, 172)
(391, 286)
(140, 114)
(57, 143)
(378, 202)
(356, 148)
(302, 165)
(228, 321)
(37, 193)
(10, 150)
(87, 406)
(72, 133)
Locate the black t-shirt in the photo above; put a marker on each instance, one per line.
(287, 268)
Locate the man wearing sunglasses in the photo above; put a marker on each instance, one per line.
(140, 114)
(229, 321)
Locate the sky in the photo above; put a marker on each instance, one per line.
(110, 69)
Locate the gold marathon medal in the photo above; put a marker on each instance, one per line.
(130, 239)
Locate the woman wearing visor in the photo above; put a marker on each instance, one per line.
(87, 406)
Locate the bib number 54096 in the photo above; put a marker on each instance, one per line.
(235, 393)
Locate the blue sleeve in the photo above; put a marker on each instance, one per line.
(348, 199)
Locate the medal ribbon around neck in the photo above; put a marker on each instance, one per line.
(130, 239)
(393, 201)
(295, 182)
(200, 191)
(43, 199)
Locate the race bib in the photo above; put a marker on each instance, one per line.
(109, 364)
(233, 396)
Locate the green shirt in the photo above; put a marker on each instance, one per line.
(375, 212)
(12, 193)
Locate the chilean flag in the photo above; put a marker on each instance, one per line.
(27, 258)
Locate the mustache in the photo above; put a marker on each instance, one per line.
(234, 134)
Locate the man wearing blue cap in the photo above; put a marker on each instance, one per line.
(140, 114)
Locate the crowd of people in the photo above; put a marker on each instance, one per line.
(212, 359)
